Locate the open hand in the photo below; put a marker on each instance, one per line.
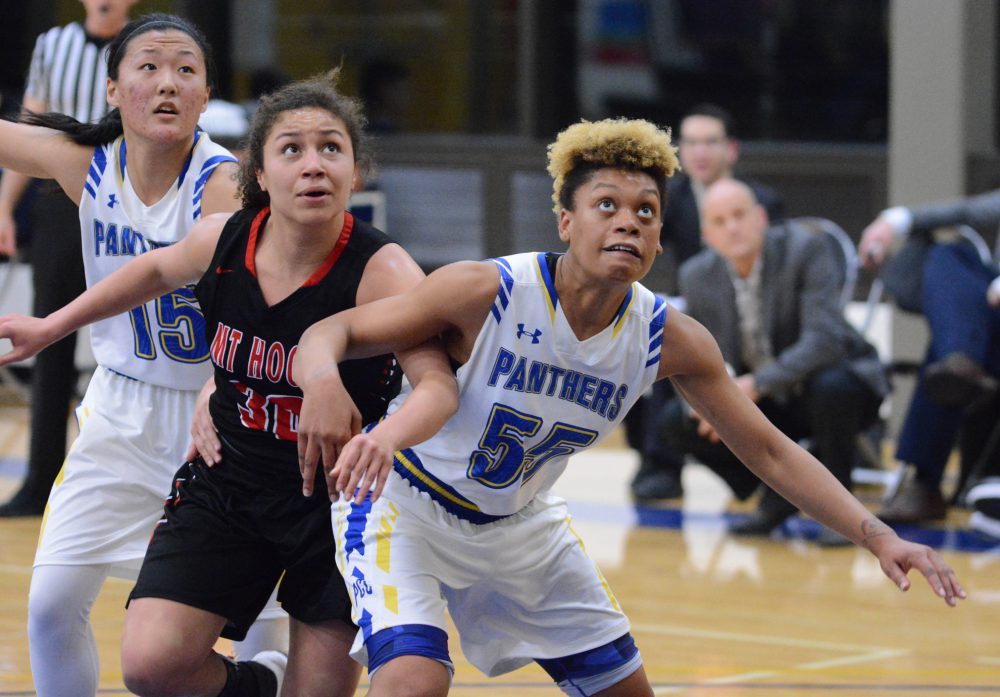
(897, 557)
(363, 463)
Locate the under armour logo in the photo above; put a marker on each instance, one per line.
(533, 334)
(112, 200)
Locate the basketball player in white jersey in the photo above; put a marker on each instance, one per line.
(141, 177)
(553, 350)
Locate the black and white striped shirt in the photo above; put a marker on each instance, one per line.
(69, 73)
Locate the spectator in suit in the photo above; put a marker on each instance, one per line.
(960, 298)
(708, 152)
(769, 297)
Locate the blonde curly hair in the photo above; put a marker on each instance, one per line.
(631, 144)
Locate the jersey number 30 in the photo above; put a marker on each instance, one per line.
(181, 333)
(501, 459)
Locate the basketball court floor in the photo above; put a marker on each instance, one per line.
(712, 614)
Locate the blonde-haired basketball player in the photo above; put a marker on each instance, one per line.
(553, 349)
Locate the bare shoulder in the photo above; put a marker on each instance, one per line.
(222, 190)
(389, 271)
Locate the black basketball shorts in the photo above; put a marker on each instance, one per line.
(224, 542)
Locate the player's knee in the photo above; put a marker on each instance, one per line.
(412, 676)
(412, 659)
(150, 672)
(50, 616)
(589, 672)
(144, 679)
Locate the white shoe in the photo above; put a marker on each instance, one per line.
(276, 662)
(984, 497)
(984, 524)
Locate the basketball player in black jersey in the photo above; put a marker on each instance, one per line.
(291, 256)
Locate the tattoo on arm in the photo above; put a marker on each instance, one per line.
(873, 527)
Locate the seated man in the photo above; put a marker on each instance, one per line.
(959, 296)
(769, 297)
(709, 151)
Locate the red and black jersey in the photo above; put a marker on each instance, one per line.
(256, 404)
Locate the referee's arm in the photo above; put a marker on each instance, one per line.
(12, 187)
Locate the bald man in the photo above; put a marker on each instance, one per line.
(769, 296)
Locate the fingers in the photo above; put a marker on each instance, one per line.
(873, 255)
(12, 357)
(898, 575)
(365, 483)
(362, 469)
(309, 454)
(205, 442)
(941, 577)
(380, 480)
(347, 470)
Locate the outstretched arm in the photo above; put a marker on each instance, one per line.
(12, 187)
(146, 277)
(46, 154)
(692, 359)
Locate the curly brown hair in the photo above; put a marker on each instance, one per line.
(319, 92)
(587, 146)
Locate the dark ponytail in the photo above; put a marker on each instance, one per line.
(87, 134)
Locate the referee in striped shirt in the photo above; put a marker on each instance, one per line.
(68, 74)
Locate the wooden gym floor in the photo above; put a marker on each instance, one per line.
(713, 615)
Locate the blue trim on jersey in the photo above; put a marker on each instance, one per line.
(95, 172)
(586, 664)
(505, 264)
(407, 640)
(623, 310)
(409, 467)
(503, 292)
(121, 161)
(187, 163)
(206, 172)
(101, 160)
(549, 285)
(357, 521)
(656, 323)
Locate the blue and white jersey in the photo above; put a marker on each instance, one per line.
(162, 342)
(532, 394)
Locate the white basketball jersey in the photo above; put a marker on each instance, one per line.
(532, 394)
(162, 342)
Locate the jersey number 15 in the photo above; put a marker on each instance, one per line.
(180, 333)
